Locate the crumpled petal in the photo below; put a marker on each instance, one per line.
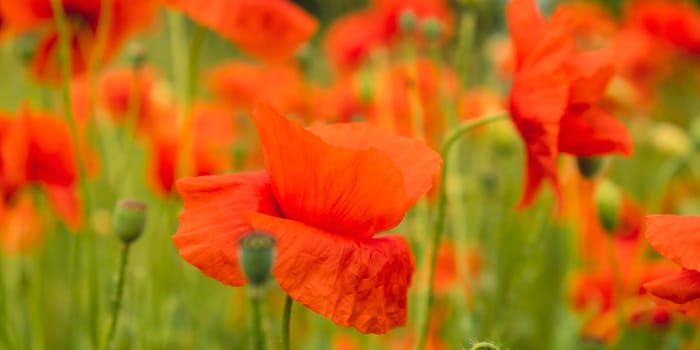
(680, 288)
(356, 193)
(676, 237)
(593, 132)
(358, 283)
(418, 163)
(212, 220)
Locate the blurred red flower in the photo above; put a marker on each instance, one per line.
(123, 19)
(555, 94)
(326, 192)
(271, 30)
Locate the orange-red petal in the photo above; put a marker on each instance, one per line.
(676, 237)
(352, 192)
(212, 221)
(271, 30)
(418, 163)
(357, 283)
(593, 132)
(526, 26)
(680, 288)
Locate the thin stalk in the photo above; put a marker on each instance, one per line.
(255, 297)
(65, 62)
(285, 322)
(439, 226)
(117, 298)
(185, 123)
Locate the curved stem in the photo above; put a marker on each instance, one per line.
(439, 225)
(117, 299)
(285, 322)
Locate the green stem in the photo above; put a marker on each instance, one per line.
(185, 123)
(65, 61)
(255, 297)
(117, 298)
(285, 322)
(439, 225)
(668, 170)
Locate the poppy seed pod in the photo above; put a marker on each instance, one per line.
(407, 21)
(589, 167)
(257, 256)
(137, 55)
(608, 200)
(484, 346)
(129, 219)
(431, 28)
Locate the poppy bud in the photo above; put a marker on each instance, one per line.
(407, 21)
(129, 219)
(589, 167)
(137, 55)
(484, 346)
(608, 200)
(257, 256)
(26, 47)
(431, 28)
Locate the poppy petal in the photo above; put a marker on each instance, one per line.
(418, 163)
(593, 132)
(526, 26)
(358, 283)
(679, 288)
(212, 220)
(592, 71)
(352, 192)
(676, 237)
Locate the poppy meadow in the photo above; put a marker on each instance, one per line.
(371, 174)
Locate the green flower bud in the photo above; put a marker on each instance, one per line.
(407, 21)
(608, 200)
(484, 346)
(589, 167)
(137, 55)
(26, 47)
(129, 219)
(432, 28)
(257, 255)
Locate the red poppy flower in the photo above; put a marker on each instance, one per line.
(678, 239)
(351, 38)
(127, 90)
(126, 18)
(242, 84)
(37, 148)
(325, 195)
(555, 94)
(271, 30)
(213, 135)
(675, 23)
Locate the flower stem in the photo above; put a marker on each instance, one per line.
(65, 63)
(117, 299)
(285, 322)
(255, 297)
(439, 225)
